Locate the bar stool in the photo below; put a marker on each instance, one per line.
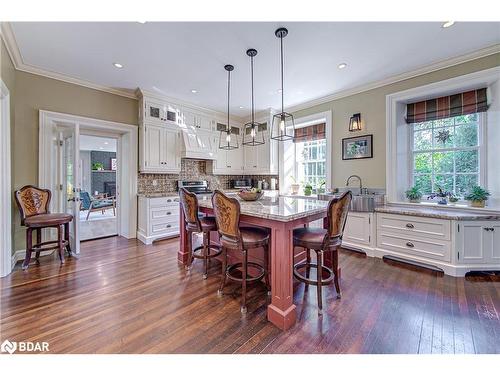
(243, 239)
(33, 204)
(197, 224)
(323, 240)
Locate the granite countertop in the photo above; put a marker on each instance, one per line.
(437, 213)
(274, 207)
(158, 195)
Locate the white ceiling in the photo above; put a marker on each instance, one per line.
(93, 143)
(172, 58)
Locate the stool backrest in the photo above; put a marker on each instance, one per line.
(227, 216)
(189, 204)
(32, 201)
(337, 214)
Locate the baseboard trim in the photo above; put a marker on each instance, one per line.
(21, 254)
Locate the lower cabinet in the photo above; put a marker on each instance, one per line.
(478, 242)
(158, 218)
(358, 231)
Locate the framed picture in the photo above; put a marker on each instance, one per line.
(113, 164)
(357, 147)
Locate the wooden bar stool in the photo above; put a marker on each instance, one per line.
(243, 239)
(197, 224)
(33, 204)
(322, 240)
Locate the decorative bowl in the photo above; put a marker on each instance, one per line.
(249, 195)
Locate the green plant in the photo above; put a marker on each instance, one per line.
(308, 189)
(97, 166)
(413, 194)
(321, 186)
(477, 194)
(453, 198)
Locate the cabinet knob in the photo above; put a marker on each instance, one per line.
(169, 200)
(169, 213)
(409, 225)
(409, 244)
(168, 225)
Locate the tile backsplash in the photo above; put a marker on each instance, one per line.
(150, 183)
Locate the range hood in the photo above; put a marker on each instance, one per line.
(198, 144)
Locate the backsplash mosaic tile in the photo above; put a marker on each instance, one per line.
(191, 170)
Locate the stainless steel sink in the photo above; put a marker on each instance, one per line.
(360, 202)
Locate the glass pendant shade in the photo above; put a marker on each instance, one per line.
(355, 122)
(253, 132)
(228, 136)
(283, 126)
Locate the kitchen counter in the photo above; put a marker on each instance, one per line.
(436, 213)
(274, 207)
(158, 195)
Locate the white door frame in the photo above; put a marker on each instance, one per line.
(127, 168)
(5, 183)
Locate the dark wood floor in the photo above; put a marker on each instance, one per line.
(125, 297)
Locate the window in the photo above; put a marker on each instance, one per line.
(446, 154)
(311, 162)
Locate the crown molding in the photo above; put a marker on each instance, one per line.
(15, 55)
(398, 78)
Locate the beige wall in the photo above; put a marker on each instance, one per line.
(371, 105)
(34, 93)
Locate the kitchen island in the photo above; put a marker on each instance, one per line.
(281, 215)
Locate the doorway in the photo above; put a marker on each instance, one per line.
(98, 169)
(64, 170)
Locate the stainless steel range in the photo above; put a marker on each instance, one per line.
(197, 187)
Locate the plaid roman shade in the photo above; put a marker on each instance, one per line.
(310, 133)
(447, 106)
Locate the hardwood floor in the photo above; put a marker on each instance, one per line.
(121, 296)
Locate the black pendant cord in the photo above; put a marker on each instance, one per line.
(253, 111)
(228, 99)
(282, 92)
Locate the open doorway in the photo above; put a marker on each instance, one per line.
(98, 203)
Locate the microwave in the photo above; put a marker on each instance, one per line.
(241, 183)
(160, 112)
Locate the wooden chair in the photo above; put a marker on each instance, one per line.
(243, 239)
(197, 224)
(33, 204)
(322, 240)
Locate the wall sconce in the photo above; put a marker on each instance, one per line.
(355, 122)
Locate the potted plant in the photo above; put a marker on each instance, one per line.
(453, 198)
(442, 195)
(308, 189)
(294, 186)
(413, 195)
(97, 166)
(321, 187)
(477, 196)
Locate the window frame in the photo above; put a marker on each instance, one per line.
(481, 147)
(315, 162)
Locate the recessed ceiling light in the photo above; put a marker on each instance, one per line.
(118, 65)
(448, 24)
(141, 21)
(194, 91)
(106, 143)
(241, 107)
(101, 148)
(279, 91)
(342, 66)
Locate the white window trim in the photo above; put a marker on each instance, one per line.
(481, 147)
(395, 107)
(302, 122)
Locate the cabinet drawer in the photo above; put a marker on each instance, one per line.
(415, 226)
(432, 249)
(164, 202)
(164, 228)
(164, 213)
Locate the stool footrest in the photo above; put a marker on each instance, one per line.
(42, 246)
(253, 265)
(198, 252)
(304, 279)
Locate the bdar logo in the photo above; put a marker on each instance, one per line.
(9, 347)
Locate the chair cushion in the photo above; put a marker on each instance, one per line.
(254, 235)
(208, 223)
(43, 220)
(312, 238)
(102, 204)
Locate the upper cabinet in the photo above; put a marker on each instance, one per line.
(262, 159)
(159, 149)
(156, 112)
(197, 121)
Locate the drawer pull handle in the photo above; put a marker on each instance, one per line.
(168, 225)
(169, 200)
(169, 213)
(489, 229)
(409, 244)
(409, 225)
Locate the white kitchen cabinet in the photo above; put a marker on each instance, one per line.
(197, 121)
(158, 218)
(478, 242)
(261, 159)
(228, 162)
(358, 231)
(158, 112)
(159, 150)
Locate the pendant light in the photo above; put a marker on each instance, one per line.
(253, 132)
(283, 127)
(228, 137)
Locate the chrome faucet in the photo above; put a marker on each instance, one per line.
(360, 183)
